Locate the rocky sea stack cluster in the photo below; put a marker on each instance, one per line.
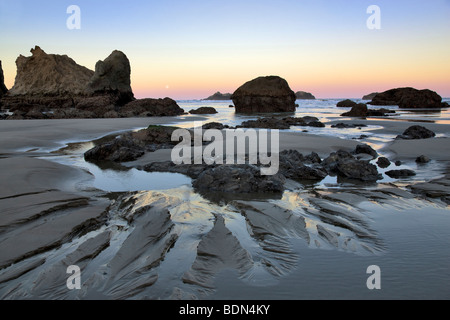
(56, 87)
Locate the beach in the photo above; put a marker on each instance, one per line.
(176, 243)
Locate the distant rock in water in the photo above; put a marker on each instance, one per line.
(302, 95)
(370, 96)
(409, 98)
(151, 108)
(358, 110)
(264, 95)
(49, 75)
(346, 104)
(219, 96)
(3, 88)
(204, 110)
(112, 76)
(362, 111)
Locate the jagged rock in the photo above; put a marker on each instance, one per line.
(220, 96)
(303, 172)
(131, 146)
(359, 110)
(398, 163)
(118, 150)
(112, 76)
(3, 88)
(215, 125)
(45, 74)
(302, 95)
(423, 159)
(151, 108)
(365, 149)
(370, 96)
(408, 98)
(238, 179)
(383, 162)
(417, 133)
(397, 174)
(346, 104)
(204, 110)
(345, 165)
(359, 170)
(282, 124)
(264, 95)
(348, 126)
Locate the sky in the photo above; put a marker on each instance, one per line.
(190, 49)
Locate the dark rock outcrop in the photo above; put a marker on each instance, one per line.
(45, 74)
(131, 146)
(219, 96)
(348, 126)
(346, 104)
(408, 98)
(282, 124)
(204, 110)
(423, 159)
(151, 108)
(397, 174)
(55, 87)
(344, 164)
(359, 110)
(417, 133)
(370, 96)
(383, 162)
(302, 95)
(365, 149)
(112, 76)
(238, 179)
(264, 95)
(3, 88)
(359, 170)
(362, 111)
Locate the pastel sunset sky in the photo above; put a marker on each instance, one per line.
(189, 49)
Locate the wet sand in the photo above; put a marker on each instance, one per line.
(131, 246)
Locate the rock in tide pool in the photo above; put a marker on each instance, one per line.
(397, 174)
(264, 95)
(383, 162)
(238, 179)
(423, 159)
(417, 133)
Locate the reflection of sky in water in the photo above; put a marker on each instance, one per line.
(113, 180)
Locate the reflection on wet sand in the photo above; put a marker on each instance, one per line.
(172, 244)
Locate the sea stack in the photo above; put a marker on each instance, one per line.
(218, 96)
(302, 95)
(3, 88)
(264, 95)
(409, 98)
(112, 76)
(46, 75)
